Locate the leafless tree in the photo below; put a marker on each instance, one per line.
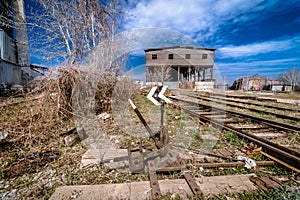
(159, 74)
(291, 77)
(70, 30)
(165, 75)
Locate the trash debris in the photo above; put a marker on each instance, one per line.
(249, 163)
(17, 88)
(3, 135)
(74, 136)
(103, 116)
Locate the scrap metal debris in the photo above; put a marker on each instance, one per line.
(192, 184)
(155, 190)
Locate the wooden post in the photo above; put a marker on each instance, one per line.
(189, 77)
(195, 74)
(178, 76)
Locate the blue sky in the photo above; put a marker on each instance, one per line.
(251, 37)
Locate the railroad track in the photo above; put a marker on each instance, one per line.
(231, 121)
(245, 105)
(254, 102)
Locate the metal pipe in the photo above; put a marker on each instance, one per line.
(144, 123)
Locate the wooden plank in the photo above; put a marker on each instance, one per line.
(270, 135)
(246, 126)
(270, 183)
(257, 181)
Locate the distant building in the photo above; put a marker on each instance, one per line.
(250, 83)
(180, 67)
(278, 86)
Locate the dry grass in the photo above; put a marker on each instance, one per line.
(35, 122)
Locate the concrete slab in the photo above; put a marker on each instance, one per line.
(95, 156)
(141, 190)
(270, 135)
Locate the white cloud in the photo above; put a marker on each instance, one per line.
(277, 45)
(255, 48)
(244, 65)
(192, 17)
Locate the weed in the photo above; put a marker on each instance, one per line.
(18, 183)
(276, 169)
(47, 192)
(233, 139)
(281, 193)
(1, 174)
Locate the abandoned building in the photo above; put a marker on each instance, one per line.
(181, 67)
(250, 83)
(278, 86)
(15, 68)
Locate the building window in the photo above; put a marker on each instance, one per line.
(204, 56)
(170, 56)
(187, 56)
(154, 56)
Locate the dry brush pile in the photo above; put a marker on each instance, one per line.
(34, 125)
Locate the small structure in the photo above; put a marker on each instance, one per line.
(250, 83)
(278, 86)
(182, 67)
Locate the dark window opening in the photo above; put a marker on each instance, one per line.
(204, 56)
(170, 56)
(187, 56)
(154, 56)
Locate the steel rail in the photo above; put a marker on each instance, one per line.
(289, 156)
(275, 124)
(220, 97)
(251, 109)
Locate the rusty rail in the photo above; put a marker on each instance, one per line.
(269, 122)
(251, 109)
(286, 155)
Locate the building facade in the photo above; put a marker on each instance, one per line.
(15, 67)
(180, 67)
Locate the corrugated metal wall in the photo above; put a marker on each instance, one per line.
(10, 73)
(7, 48)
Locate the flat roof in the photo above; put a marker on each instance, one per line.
(177, 47)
